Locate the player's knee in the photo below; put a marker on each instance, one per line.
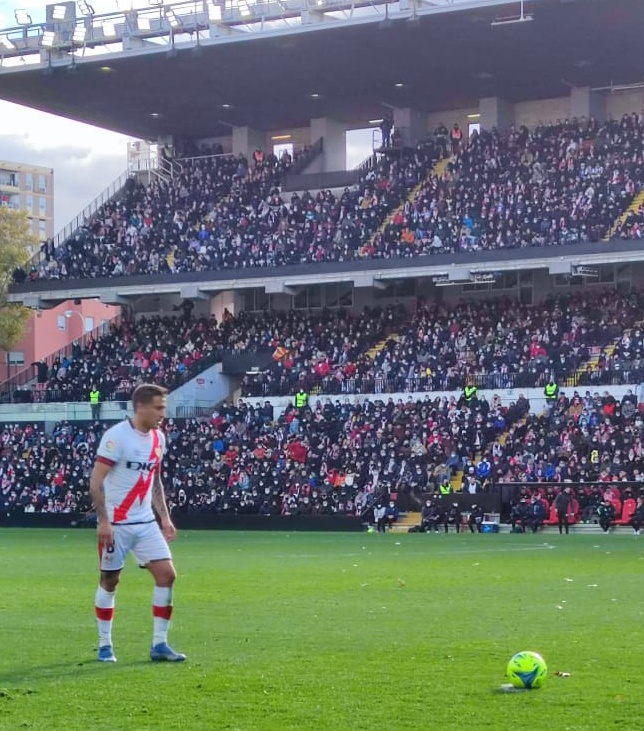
(109, 580)
(165, 575)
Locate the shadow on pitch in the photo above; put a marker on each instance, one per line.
(58, 671)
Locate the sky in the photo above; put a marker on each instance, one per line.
(85, 159)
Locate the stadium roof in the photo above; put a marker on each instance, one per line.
(345, 68)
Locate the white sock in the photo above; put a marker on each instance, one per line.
(161, 613)
(104, 607)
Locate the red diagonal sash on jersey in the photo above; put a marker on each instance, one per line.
(140, 489)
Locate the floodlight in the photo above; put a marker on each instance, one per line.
(59, 12)
(23, 17)
(109, 29)
(80, 34)
(48, 39)
(7, 44)
(85, 7)
(171, 17)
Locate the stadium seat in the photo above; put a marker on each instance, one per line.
(552, 518)
(627, 512)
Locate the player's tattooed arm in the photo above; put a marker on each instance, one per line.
(97, 491)
(158, 499)
(159, 504)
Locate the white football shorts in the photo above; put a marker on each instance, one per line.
(144, 540)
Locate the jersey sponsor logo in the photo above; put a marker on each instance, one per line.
(109, 445)
(142, 466)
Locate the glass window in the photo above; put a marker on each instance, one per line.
(42, 207)
(42, 226)
(29, 181)
(61, 321)
(42, 184)
(29, 203)
(16, 357)
(89, 324)
(7, 178)
(256, 300)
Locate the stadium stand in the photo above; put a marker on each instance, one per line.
(336, 456)
(168, 350)
(495, 344)
(562, 183)
(584, 339)
(224, 213)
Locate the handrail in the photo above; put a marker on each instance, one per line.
(80, 219)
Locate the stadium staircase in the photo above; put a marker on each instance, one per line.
(438, 170)
(378, 347)
(597, 353)
(634, 207)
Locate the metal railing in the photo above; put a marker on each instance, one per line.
(305, 158)
(81, 218)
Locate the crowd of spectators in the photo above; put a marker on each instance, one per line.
(560, 183)
(160, 349)
(498, 343)
(228, 213)
(327, 458)
(633, 225)
(337, 457)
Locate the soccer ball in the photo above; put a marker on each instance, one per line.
(527, 670)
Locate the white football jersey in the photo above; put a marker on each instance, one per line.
(135, 458)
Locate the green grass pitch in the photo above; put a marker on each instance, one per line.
(328, 632)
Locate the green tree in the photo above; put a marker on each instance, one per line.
(16, 243)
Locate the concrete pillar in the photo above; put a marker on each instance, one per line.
(496, 113)
(246, 140)
(584, 102)
(231, 300)
(335, 144)
(412, 125)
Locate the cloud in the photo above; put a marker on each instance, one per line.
(85, 159)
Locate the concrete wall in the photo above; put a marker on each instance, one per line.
(508, 395)
(619, 103)
(51, 413)
(533, 113)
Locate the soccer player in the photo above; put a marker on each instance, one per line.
(125, 487)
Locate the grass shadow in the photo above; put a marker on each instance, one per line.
(20, 677)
